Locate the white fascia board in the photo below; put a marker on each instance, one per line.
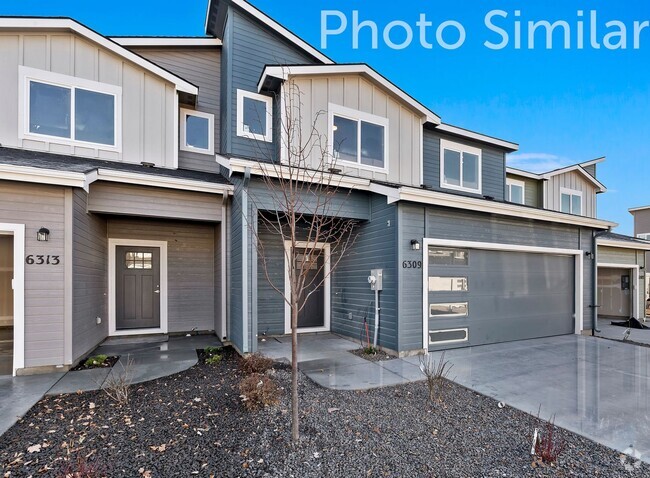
(275, 26)
(71, 25)
(639, 208)
(623, 244)
(275, 170)
(492, 207)
(578, 168)
(455, 130)
(522, 173)
(160, 181)
(29, 174)
(284, 72)
(593, 161)
(166, 41)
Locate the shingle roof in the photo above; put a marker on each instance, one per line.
(612, 236)
(59, 162)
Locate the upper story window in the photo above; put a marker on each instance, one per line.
(64, 109)
(516, 191)
(645, 236)
(254, 116)
(359, 137)
(571, 201)
(197, 131)
(460, 167)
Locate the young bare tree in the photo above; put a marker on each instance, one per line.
(302, 205)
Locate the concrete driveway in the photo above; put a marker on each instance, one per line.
(595, 387)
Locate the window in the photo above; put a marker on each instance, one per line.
(197, 131)
(571, 201)
(460, 167)
(138, 260)
(645, 236)
(359, 137)
(66, 109)
(448, 257)
(448, 284)
(456, 309)
(254, 116)
(448, 336)
(516, 191)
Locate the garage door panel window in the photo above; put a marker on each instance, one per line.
(449, 310)
(571, 201)
(439, 256)
(448, 336)
(448, 284)
(460, 167)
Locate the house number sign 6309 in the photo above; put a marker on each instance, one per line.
(412, 265)
(42, 260)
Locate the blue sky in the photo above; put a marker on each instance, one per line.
(561, 106)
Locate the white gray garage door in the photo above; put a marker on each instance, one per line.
(478, 297)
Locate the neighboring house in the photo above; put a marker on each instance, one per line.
(141, 157)
(642, 231)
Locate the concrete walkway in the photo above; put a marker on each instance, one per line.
(609, 331)
(150, 361)
(327, 360)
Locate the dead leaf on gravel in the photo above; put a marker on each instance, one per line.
(160, 448)
(144, 473)
(330, 410)
(34, 448)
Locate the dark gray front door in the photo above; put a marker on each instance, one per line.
(481, 297)
(137, 287)
(313, 314)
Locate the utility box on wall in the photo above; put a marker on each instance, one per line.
(376, 279)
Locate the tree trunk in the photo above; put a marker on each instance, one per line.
(295, 417)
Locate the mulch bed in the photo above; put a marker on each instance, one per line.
(193, 424)
(378, 357)
(108, 363)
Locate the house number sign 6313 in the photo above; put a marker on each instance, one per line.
(42, 260)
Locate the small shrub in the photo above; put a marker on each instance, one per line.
(96, 360)
(436, 373)
(117, 385)
(370, 350)
(210, 351)
(78, 465)
(548, 444)
(213, 359)
(258, 391)
(256, 364)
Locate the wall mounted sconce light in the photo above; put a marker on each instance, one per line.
(588, 254)
(415, 245)
(43, 234)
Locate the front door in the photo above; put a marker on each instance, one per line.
(6, 304)
(137, 287)
(313, 313)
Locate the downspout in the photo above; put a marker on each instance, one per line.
(594, 305)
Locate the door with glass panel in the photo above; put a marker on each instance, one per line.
(137, 287)
(6, 304)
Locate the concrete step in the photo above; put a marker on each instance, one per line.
(136, 339)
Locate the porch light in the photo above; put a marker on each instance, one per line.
(415, 244)
(43, 234)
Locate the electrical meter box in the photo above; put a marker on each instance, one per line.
(376, 279)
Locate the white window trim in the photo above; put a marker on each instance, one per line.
(460, 148)
(56, 79)
(112, 324)
(516, 182)
(241, 94)
(572, 192)
(358, 116)
(645, 236)
(326, 286)
(199, 114)
(18, 283)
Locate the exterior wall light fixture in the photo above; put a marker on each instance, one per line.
(415, 244)
(43, 234)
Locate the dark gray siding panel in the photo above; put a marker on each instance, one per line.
(190, 271)
(352, 299)
(89, 276)
(493, 165)
(270, 304)
(236, 329)
(202, 67)
(252, 47)
(591, 169)
(226, 90)
(642, 221)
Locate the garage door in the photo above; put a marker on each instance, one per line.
(478, 297)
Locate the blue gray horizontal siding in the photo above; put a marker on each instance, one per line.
(251, 47)
(419, 222)
(493, 165)
(352, 299)
(202, 67)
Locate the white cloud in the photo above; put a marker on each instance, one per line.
(537, 162)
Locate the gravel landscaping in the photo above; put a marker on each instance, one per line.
(378, 357)
(194, 424)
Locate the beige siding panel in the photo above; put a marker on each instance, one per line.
(351, 91)
(114, 198)
(61, 54)
(37, 206)
(9, 58)
(191, 262)
(575, 181)
(35, 51)
(70, 54)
